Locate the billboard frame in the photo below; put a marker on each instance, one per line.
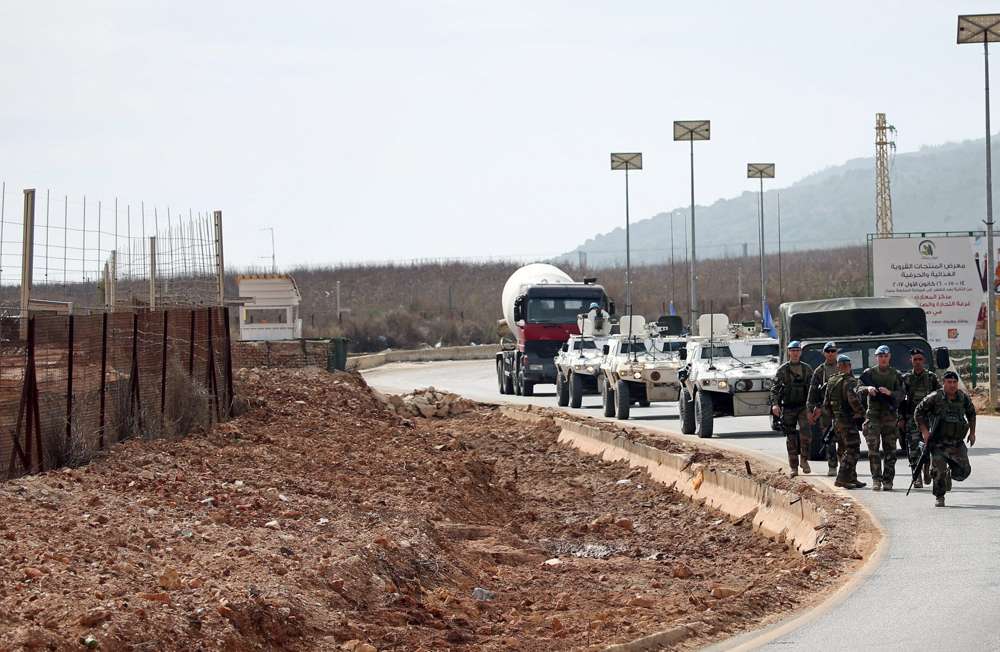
(871, 237)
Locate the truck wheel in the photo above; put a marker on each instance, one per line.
(527, 388)
(501, 379)
(607, 399)
(575, 391)
(686, 408)
(517, 382)
(562, 391)
(622, 404)
(704, 414)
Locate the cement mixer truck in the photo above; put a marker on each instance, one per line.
(540, 304)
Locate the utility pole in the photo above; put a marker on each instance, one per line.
(761, 171)
(884, 142)
(692, 130)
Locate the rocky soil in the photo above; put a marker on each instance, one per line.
(328, 517)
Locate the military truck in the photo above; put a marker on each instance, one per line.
(859, 325)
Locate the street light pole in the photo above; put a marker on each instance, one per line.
(692, 130)
(673, 274)
(627, 161)
(761, 171)
(781, 290)
(975, 29)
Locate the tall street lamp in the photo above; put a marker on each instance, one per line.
(761, 171)
(984, 28)
(627, 161)
(692, 130)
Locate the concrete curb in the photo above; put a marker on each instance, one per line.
(655, 641)
(478, 352)
(777, 514)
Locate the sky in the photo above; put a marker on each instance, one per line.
(400, 130)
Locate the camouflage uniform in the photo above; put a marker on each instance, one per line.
(842, 402)
(881, 430)
(952, 418)
(917, 388)
(817, 388)
(790, 391)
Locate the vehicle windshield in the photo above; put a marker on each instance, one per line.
(716, 352)
(763, 349)
(559, 310)
(583, 345)
(669, 347)
(862, 354)
(633, 347)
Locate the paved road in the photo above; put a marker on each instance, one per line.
(938, 586)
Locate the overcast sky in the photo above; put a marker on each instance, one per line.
(385, 130)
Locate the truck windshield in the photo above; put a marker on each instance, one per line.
(557, 310)
(633, 347)
(581, 345)
(716, 352)
(763, 349)
(863, 354)
(673, 346)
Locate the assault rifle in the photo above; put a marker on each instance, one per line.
(925, 454)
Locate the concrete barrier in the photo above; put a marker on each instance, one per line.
(370, 361)
(777, 514)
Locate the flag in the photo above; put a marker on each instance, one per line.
(769, 322)
(673, 311)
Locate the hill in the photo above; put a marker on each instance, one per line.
(937, 188)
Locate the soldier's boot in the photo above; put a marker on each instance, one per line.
(858, 484)
(793, 466)
(876, 485)
(939, 501)
(917, 483)
(804, 463)
(831, 471)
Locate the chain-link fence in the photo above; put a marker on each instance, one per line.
(76, 384)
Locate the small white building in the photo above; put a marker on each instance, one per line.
(271, 307)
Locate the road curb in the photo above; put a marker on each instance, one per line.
(777, 514)
(443, 354)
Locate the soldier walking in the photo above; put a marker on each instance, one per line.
(841, 401)
(788, 401)
(917, 384)
(817, 412)
(882, 387)
(944, 418)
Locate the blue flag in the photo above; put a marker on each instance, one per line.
(769, 322)
(673, 311)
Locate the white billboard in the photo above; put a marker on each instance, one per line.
(946, 275)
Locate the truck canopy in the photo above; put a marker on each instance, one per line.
(829, 319)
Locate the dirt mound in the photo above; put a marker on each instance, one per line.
(426, 403)
(322, 519)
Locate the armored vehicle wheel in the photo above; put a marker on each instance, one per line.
(622, 402)
(527, 388)
(575, 391)
(562, 391)
(643, 403)
(686, 407)
(704, 414)
(607, 399)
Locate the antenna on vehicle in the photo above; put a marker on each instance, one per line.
(711, 335)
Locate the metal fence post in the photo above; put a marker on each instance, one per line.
(191, 348)
(230, 396)
(27, 258)
(210, 382)
(69, 381)
(104, 376)
(163, 372)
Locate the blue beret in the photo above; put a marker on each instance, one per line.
(830, 346)
(794, 344)
(843, 357)
(882, 349)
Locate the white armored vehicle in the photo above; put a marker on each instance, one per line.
(633, 371)
(578, 363)
(729, 372)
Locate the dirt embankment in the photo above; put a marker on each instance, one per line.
(321, 520)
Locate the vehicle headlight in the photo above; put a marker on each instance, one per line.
(637, 375)
(590, 369)
(723, 384)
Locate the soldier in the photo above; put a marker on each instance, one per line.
(917, 384)
(788, 401)
(950, 413)
(882, 387)
(842, 403)
(817, 388)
